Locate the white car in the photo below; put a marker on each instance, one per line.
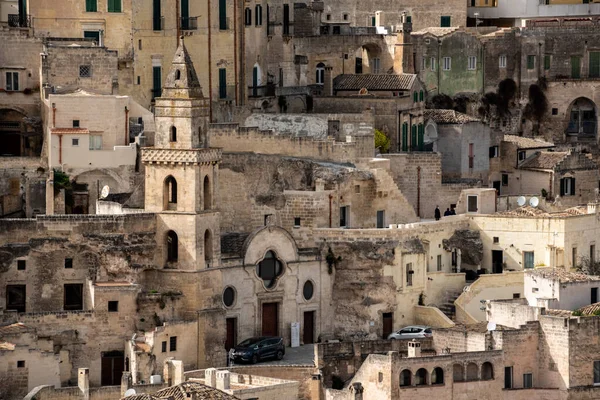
(412, 332)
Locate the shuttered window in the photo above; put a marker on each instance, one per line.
(222, 83)
(530, 62)
(222, 14)
(114, 6)
(91, 5)
(595, 64)
(445, 22)
(156, 15)
(547, 61)
(405, 137)
(421, 137)
(575, 67)
(156, 82)
(413, 138)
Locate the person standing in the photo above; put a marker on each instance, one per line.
(447, 212)
(437, 213)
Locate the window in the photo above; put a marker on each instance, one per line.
(472, 63)
(16, 297)
(471, 156)
(508, 377)
(574, 257)
(157, 15)
(73, 299)
(409, 19)
(85, 71)
(458, 373)
(286, 19)
(164, 346)
(502, 61)
(21, 265)
(114, 6)
(575, 67)
(91, 5)
(172, 246)
(297, 221)
(376, 65)
(344, 216)
(504, 179)
(373, 21)
(328, 17)
(12, 81)
(409, 274)
(447, 63)
(308, 290)
(522, 155)
(75, 123)
(439, 262)
(433, 63)
(496, 240)
(75, 142)
(173, 134)
(356, 188)
(437, 376)
(423, 63)
(320, 78)
(173, 343)
(113, 306)
(547, 62)
(345, 17)
(596, 372)
(516, 295)
(269, 269)
(228, 296)
(380, 219)
(527, 381)
(21, 364)
(528, 259)
(247, 16)
(493, 152)
(421, 377)
(415, 97)
(68, 263)
(594, 64)
(445, 22)
(487, 371)
(95, 142)
(421, 95)
(530, 62)
(567, 187)
(554, 111)
(592, 253)
(405, 137)
(222, 83)
(471, 203)
(258, 15)
(405, 378)
(156, 82)
(93, 35)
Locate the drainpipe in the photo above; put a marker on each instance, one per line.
(54, 115)
(59, 149)
(419, 191)
(235, 66)
(178, 21)
(126, 126)
(439, 61)
(482, 68)
(330, 201)
(210, 94)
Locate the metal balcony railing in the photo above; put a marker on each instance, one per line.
(158, 24)
(267, 90)
(189, 23)
(19, 21)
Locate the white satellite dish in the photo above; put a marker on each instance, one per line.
(521, 201)
(534, 202)
(129, 392)
(491, 326)
(105, 192)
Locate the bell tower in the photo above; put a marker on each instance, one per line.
(182, 172)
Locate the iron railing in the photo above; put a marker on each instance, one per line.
(189, 23)
(158, 24)
(19, 21)
(261, 91)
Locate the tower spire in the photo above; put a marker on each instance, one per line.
(182, 80)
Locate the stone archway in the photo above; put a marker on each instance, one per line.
(17, 136)
(582, 120)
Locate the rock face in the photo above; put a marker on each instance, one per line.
(470, 244)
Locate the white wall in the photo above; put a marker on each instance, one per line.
(522, 9)
(568, 295)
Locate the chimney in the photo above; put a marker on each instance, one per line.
(403, 52)
(126, 382)
(83, 381)
(223, 380)
(328, 81)
(414, 349)
(358, 390)
(210, 377)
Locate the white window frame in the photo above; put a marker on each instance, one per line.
(12, 87)
(502, 61)
(439, 262)
(447, 63)
(95, 142)
(472, 63)
(320, 74)
(376, 61)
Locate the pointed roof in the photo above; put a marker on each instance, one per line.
(182, 81)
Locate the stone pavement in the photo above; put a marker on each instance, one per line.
(303, 355)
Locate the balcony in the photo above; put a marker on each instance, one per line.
(158, 24)
(227, 93)
(267, 90)
(189, 23)
(19, 21)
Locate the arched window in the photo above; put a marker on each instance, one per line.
(207, 194)
(258, 15)
(437, 376)
(320, 74)
(172, 247)
(269, 269)
(487, 371)
(170, 193)
(208, 247)
(247, 17)
(421, 377)
(458, 373)
(177, 75)
(472, 372)
(405, 378)
(173, 135)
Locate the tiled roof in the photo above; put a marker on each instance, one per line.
(5, 346)
(559, 313)
(374, 81)
(436, 31)
(185, 391)
(562, 275)
(527, 143)
(544, 160)
(528, 211)
(448, 117)
(592, 309)
(70, 131)
(14, 329)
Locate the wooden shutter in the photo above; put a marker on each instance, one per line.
(156, 82)
(413, 138)
(575, 67)
(573, 186)
(405, 137)
(595, 64)
(222, 83)
(530, 62)
(91, 5)
(562, 187)
(421, 137)
(222, 14)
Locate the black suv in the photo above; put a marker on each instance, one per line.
(258, 348)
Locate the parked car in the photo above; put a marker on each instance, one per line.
(258, 348)
(412, 332)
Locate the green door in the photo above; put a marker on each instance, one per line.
(413, 138)
(575, 67)
(405, 137)
(222, 83)
(254, 81)
(222, 14)
(421, 137)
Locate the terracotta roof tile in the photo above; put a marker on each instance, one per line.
(5, 346)
(592, 309)
(448, 117)
(527, 143)
(562, 275)
(70, 131)
(436, 31)
(544, 160)
(182, 392)
(374, 81)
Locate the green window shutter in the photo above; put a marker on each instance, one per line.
(185, 9)
(405, 137)
(413, 138)
(372, 21)
(595, 64)
(156, 15)
(445, 22)
(421, 96)
(222, 14)
(547, 61)
(222, 83)
(156, 82)
(530, 62)
(114, 5)
(421, 137)
(575, 67)
(91, 5)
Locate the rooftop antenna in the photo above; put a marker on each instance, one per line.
(491, 326)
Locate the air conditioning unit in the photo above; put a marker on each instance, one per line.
(155, 379)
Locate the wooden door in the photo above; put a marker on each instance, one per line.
(112, 367)
(231, 338)
(270, 320)
(497, 260)
(388, 324)
(308, 335)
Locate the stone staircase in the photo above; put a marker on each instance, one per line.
(385, 186)
(448, 307)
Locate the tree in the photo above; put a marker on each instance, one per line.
(588, 266)
(382, 142)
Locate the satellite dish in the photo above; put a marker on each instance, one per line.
(129, 392)
(521, 201)
(105, 192)
(534, 201)
(491, 326)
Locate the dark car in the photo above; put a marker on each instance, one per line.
(259, 348)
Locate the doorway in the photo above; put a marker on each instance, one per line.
(270, 320)
(497, 185)
(308, 335)
(113, 364)
(497, 261)
(388, 324)
(594, 295)
(380, 219)
(231, 338)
